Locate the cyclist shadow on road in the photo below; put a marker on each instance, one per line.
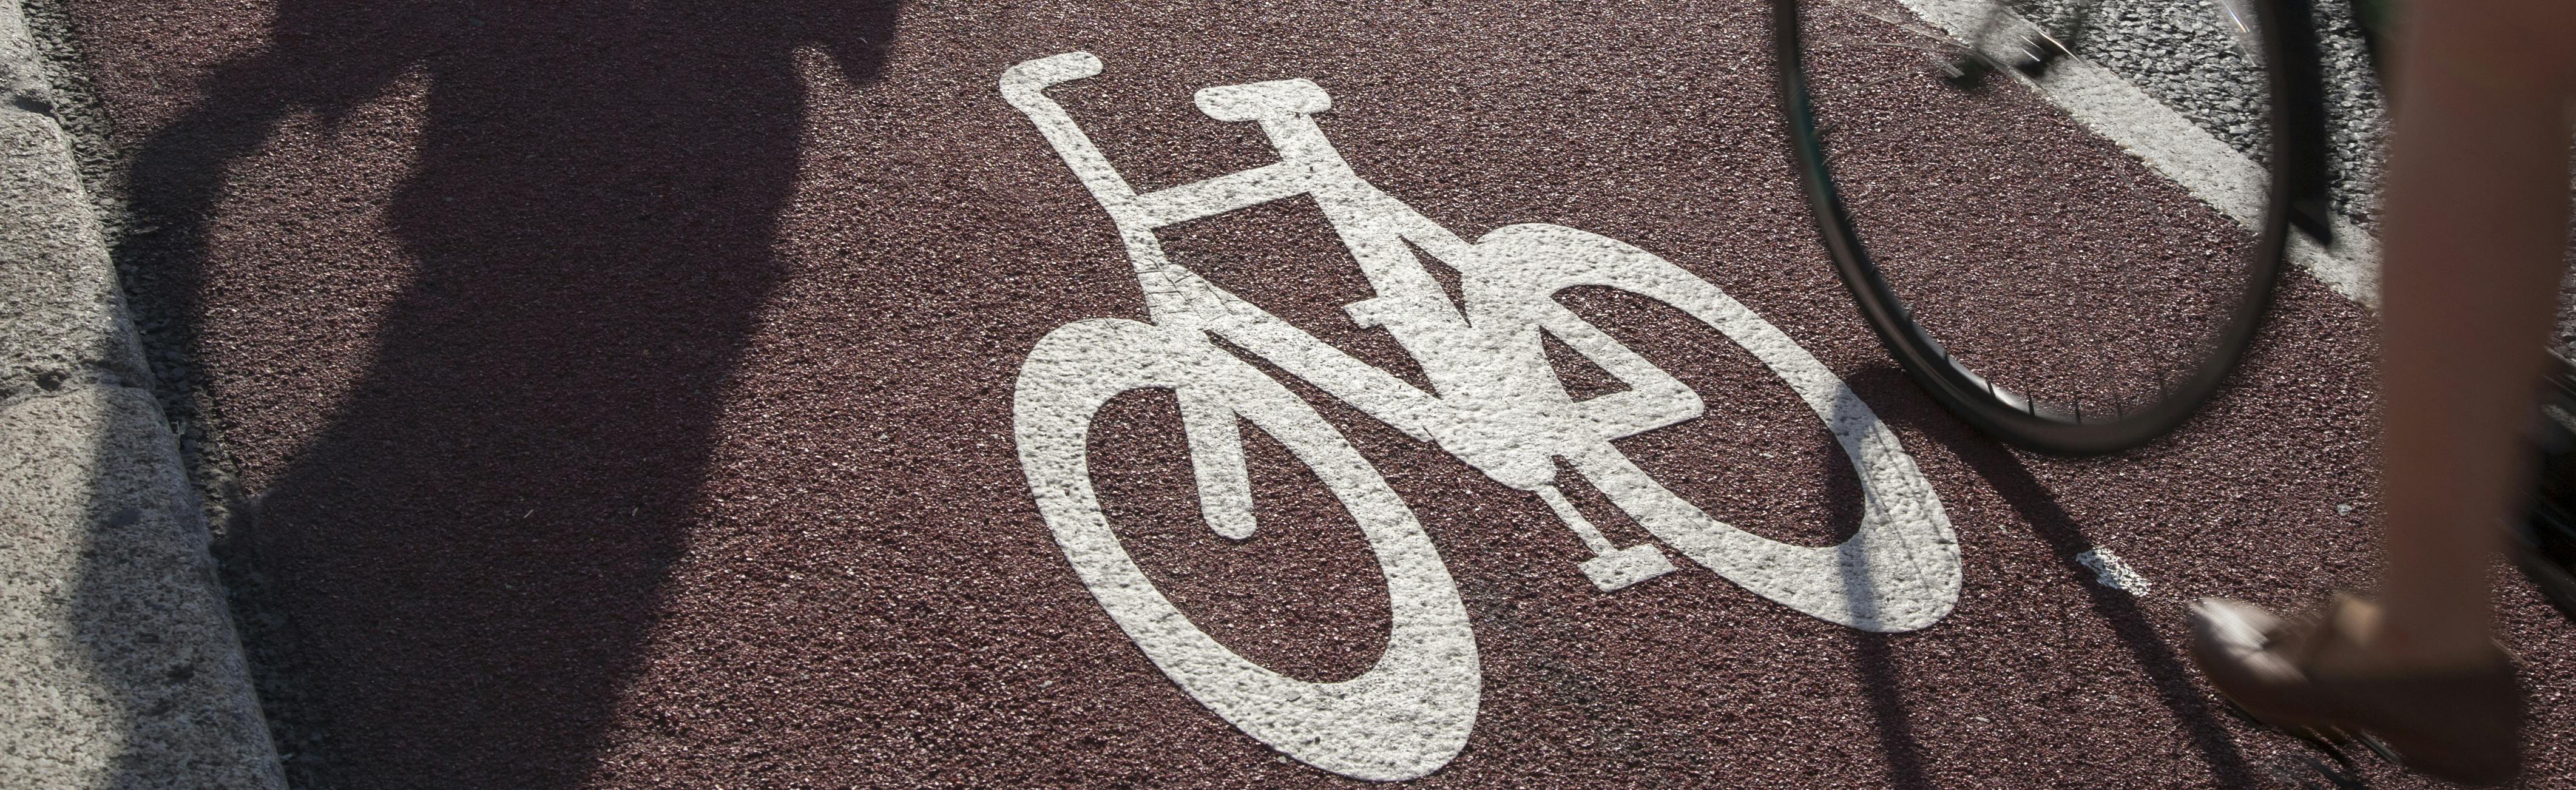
(456, 576)
(2161, 662)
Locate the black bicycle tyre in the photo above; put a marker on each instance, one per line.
(2296, 195)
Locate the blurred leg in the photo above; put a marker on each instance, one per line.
(2475, 237)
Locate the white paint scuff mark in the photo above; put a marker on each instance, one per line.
(2110, 571)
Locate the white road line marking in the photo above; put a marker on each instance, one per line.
(2207, 167)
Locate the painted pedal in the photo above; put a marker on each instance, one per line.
(1617, 570)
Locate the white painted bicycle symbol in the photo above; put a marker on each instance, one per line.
(1498, 407)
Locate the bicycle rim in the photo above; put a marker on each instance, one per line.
(1978, 290)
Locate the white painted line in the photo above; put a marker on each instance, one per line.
(2207, 167)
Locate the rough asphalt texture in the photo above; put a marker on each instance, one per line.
(117, 655)
(2177, 51)
(625, 390)
(1944, 186)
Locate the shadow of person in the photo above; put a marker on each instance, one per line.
(468, 557)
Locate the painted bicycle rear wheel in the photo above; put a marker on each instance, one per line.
(2046, 273)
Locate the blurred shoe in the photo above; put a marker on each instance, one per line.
(2462, 725)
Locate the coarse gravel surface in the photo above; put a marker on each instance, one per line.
(2181, 53)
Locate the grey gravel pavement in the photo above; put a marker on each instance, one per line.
(2179, 52)
(117, 656)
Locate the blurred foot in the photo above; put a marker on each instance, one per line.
(2461, 721)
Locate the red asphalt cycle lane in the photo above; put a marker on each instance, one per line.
(626, 392)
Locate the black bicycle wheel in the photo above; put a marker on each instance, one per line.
(2044, 284)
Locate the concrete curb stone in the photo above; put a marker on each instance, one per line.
(116, 651)
(113, 637)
